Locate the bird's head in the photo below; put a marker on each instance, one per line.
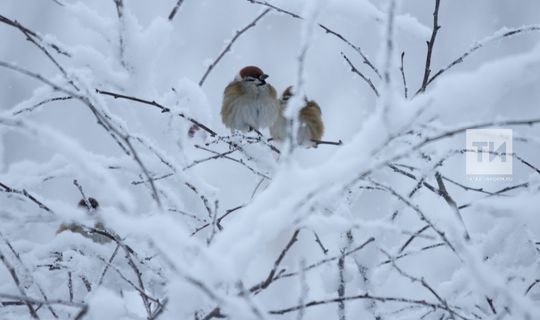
(252, 74)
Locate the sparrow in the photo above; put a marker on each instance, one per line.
(249, 102)
(310, 128)
(91, 206)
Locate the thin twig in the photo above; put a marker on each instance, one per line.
(175, 9)
(18, 284)
(361, 75)
(270, 278)
(444, 193)
(430, 44)
(25, 194)
(327, 30)
(332, 143)
(32, 108)
(405, 89)
(157, 105)
(501, 34)
(29, 274)
(229, 45)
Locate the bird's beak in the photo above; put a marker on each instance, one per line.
(262, 79)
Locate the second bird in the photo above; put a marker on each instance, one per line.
(249, 102)
(310, 127)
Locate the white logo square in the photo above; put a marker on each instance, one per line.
(489, 152)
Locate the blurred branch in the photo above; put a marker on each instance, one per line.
(27, 32)
(240, 161)
(453, 132)
(229, 45)
(107, 265)
(28, 300)
(25, 194)
(34, 38)
(270, 278)
(32, 108)
(218, 222)
(366, 79)
(499, 192)
(424, 284)
(342, 314)
(157, 105)
(284, 274)
(15, 278)
(419, 212)
(327, 30)
(175, 9)
(389, 47)
(501, 34)
(365, 296)
(430, 44)
(120, 12)
(103, 119)
(403, 75)
(410, 253)
(412, 237)
(444, 193)
(332, 143)
(28, 274)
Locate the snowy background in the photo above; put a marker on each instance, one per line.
(385, 226)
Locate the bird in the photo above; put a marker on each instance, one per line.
(310, 128)
(249, 102)
(91, 206)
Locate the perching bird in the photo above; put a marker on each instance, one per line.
(91, 205)
(249, 102)
(310, 128)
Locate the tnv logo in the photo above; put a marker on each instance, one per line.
(489, 151)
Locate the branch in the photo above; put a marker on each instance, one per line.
(419, 212)
(503, 33)
(444, 193)
(34, 38)
(366, 79)
(270, 278)
(365, 296)
(324, 261)
(175, 9)
(405, 89)
(430, 44)
(32, 108)
(229, 45)
(29, 274)
(424, 283)
(326, 29)
(15, 278)
(103, 119)
(25, 193)
(332, 143)
(157, 105)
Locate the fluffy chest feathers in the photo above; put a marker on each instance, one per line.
(246, 105)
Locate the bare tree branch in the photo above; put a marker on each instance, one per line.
(25, 194)
(366, 79)
(405, 89)
(501, 34)
(430, 44)
(229, 45)
(175, 9)
(22, 292)
(327, 30)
